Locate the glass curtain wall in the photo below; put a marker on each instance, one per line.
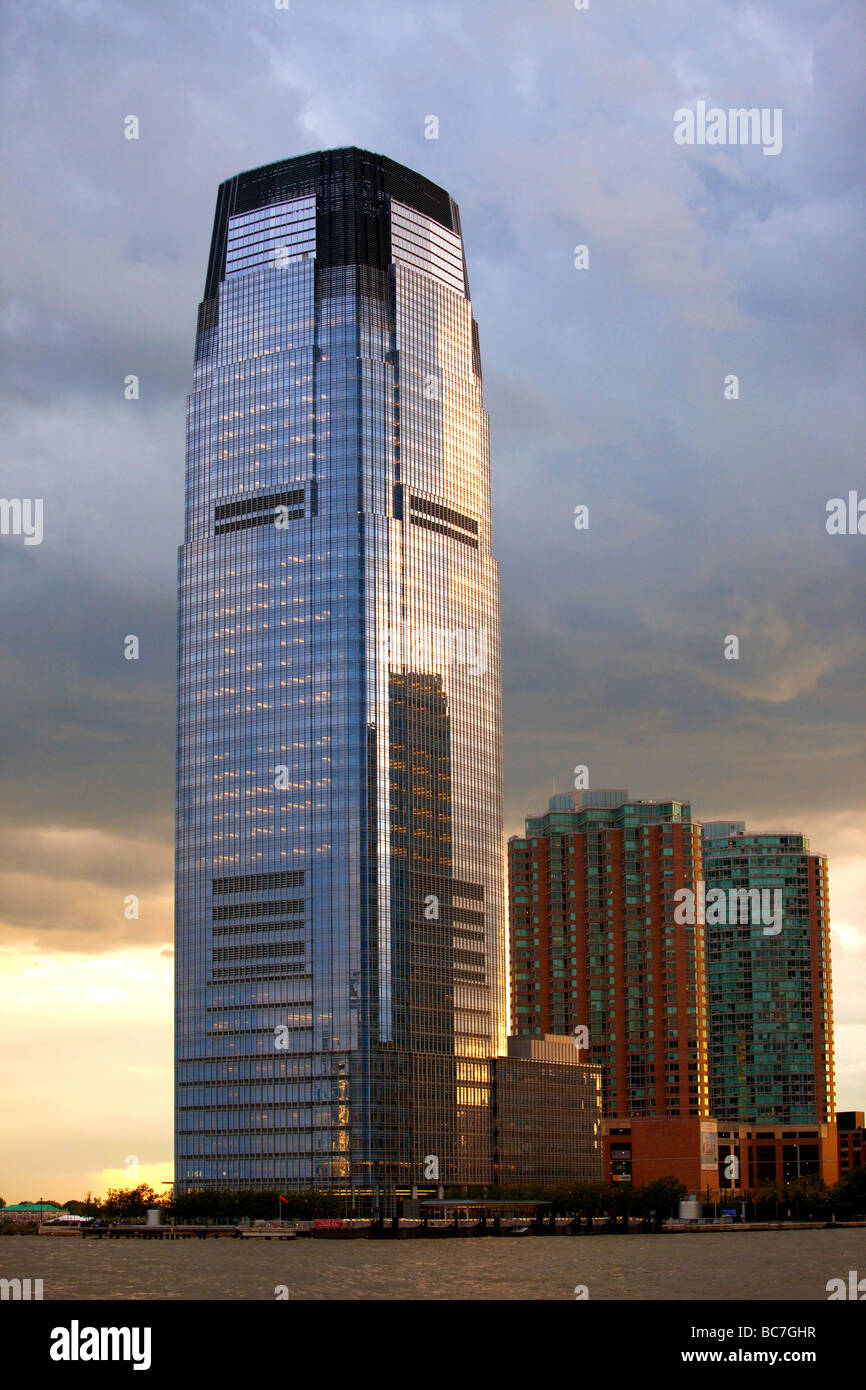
(340, 918)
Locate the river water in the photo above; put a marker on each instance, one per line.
(725, 1265)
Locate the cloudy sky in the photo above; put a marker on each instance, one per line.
(605, 386)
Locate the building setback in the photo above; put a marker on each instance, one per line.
(545, 1113)
(768, 979)
(340, 916)
(595, 945)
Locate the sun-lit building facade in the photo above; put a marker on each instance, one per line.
(599, 950)
(340, 912)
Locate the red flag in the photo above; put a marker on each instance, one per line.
(282, 1198)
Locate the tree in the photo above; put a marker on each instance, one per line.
(848, 1196)
(588, 1198)
(200, 1204)
(767, 1200)
(128, 1203)
(619, 1202)
(662, 1197)
(810, 1195)
(227, 1208)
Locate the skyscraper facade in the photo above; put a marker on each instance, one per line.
(597, 946)
(768, 974)
(340, 923)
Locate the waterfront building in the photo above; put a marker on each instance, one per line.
(768, 978)
(775, 1154)
(643, 1150)
(340, 916)
(597, 950)
(545, 1113)
(718, 1161)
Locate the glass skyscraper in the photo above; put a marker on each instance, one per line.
(770, 988)
(340, 922)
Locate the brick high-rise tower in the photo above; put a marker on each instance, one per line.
(595, 944)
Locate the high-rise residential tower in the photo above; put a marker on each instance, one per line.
(597, 946)
(769, 982)
(340, 914)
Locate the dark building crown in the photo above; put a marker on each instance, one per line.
(352, 188)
